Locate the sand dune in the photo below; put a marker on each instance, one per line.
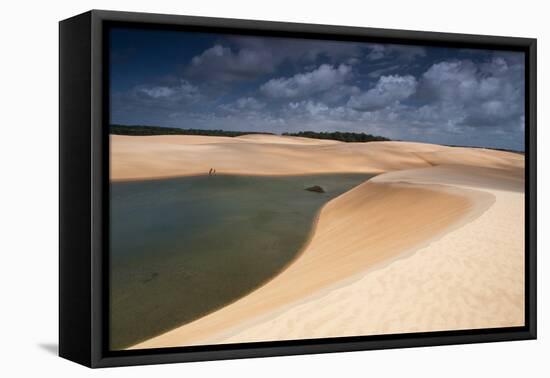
(356, 233)
(278, 139)
(434, 242)
(472, 277)
(141, 158)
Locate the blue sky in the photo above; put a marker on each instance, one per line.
(245, 83)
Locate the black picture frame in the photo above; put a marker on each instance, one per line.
(84, 188)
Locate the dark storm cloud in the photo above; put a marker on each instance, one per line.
(438, 95)
(300, 50)
(245, 58)
(403, 52)
(220, 63)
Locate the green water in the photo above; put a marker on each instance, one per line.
(181, 248)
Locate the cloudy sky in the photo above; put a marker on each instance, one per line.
(231, 82)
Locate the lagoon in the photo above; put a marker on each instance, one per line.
(181, 248)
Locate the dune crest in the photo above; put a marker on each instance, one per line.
(151, 157)
(472, 277)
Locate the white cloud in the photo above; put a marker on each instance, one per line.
(455, 80)
(488, 94)
(243, 58)
(243, 104)
(183, 91)
(388, 91)
(309, 107)
(339, 93)
(221, 63)
(361, 87)
(404, 52)
(376, 52)
(319, 80)
(158, 92)
(385, 70)
(249, 103)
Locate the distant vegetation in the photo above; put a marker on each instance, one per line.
(156, 130)
(337, 135)
(341, 136)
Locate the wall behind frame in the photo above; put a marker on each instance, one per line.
(30, 171)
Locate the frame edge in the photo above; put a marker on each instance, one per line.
(99, 359)
(75, 272)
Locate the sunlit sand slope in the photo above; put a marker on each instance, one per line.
(365, 228)
(472, 277)
(148, 157)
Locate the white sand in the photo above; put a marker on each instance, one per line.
(142, 158)
(473, 277)
(436, 243)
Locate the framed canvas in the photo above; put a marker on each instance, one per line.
(234, 188)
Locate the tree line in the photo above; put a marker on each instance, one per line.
(157, 130)
(139, 130)
(341, 136)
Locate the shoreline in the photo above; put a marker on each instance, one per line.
(210, 217)
(427, 194)
(161, 178)
(454, 286)
(226, 320)
(466, 218)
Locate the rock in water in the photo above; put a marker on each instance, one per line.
(316, 189)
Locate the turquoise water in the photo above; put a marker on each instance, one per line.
(184, 247)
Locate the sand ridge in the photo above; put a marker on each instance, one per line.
(152, 157)
(472, 277)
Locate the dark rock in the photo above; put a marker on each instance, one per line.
(151, 277)
(316, 189)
